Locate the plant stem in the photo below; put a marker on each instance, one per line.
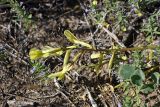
(118, 50)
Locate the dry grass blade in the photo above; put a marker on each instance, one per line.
(112, 35)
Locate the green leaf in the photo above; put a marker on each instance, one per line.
(137, 80)
(147, 88)
(100, 60)
(30, 16)
(156, 77)
(126, 71)
(49, 51)
(83, 44)
(72, 47)
(76, 56)
(70, 36)
(140, 73)
(66, 67)
(66, 58)
(138, 77)
(111, 60)
(157, 32)
(60, 75)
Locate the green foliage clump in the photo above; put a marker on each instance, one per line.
(134, 78)
(21, 14)
(138, 76)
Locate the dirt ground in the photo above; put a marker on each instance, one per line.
(20, 87)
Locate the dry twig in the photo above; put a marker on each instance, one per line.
(93, 103)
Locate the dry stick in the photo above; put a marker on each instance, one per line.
(19, 59)
(60, 92)
(112, 35)
(103, 101)
(27, 98)
(117, 101)
(93, 103)
(113, 50)
(66, 98)
(74, 9)
(51, 96)
(116, 50)
(14, 103)
(56, 83)
(92, 35)
(13, 55)
(85, 16)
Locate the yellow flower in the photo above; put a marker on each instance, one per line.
(35, 54)
(95, 2)
(138, 13)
